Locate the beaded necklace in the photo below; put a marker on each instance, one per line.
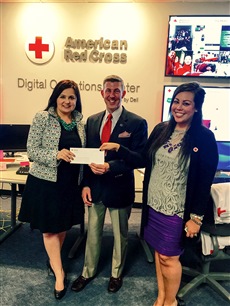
(67, 126)
(176, 136)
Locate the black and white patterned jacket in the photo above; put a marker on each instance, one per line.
(43, 140)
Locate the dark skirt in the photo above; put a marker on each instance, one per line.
(164, 233)
(53, 207)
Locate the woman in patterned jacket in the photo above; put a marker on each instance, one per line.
(52, 197)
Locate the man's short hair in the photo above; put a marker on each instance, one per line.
(114, 78)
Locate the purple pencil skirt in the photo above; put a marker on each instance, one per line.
(164, 233)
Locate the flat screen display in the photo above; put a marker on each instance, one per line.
(198, 46)
(13, 137)
(224, 155)
(216, 109)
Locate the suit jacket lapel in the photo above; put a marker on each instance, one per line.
(98, 121)
(97, 125)
(120, 126)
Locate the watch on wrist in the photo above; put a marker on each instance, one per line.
(194, 216)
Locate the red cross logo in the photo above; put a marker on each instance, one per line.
(39, 49)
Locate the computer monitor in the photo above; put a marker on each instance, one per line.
(216, 109)
(224, 156)
(198, 46)
(13, 138)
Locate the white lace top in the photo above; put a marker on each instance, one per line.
(167, 185)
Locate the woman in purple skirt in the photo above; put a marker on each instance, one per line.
(180, 160)
(179, 174)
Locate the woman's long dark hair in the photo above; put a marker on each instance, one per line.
(58, 89)
(199, 94)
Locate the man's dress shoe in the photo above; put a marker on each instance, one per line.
(114, 284)
(80, 283)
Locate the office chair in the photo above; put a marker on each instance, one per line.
(214, 246)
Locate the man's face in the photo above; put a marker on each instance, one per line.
(113, 94)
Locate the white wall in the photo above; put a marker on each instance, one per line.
(144, 26)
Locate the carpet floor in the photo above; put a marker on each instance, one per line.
(24, 280)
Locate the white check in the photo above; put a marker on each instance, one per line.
(87, 156)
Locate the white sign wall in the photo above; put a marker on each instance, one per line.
(73, 29)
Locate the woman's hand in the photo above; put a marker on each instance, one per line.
(65, 155)
(110, 146)
(191, 229)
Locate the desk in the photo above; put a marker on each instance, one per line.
(10, 176)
